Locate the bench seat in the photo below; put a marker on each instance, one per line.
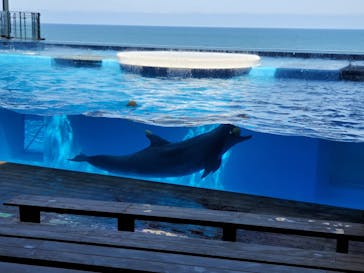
(30, 207)
(300, 258)
(105, 251)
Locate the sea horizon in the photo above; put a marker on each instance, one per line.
(233, 38)
(217, 27)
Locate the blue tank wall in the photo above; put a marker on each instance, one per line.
(11, 134)
(272, 165)
(341, 173)
(290, 167)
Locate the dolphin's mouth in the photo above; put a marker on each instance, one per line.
(235, 132)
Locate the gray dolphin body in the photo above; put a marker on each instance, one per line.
(163, 158)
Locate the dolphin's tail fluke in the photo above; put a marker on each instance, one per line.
(79, 158)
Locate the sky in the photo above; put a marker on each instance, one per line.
(219, 13)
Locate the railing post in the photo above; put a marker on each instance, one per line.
(5, 5)
(32, 20)
(20, 27)
(5, 24)
(2, 24)
(14, 28)
(38, 37)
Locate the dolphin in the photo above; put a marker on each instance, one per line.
(163, 158)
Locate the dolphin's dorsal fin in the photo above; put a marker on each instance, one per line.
(155, 140)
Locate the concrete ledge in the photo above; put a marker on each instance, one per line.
(42, 45)
(353, 73)
(187, 63)
(308, 74)
(147, 71)
(78, 61)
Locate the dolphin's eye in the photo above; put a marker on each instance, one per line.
(235, 131)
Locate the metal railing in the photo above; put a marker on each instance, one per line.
(20, 25)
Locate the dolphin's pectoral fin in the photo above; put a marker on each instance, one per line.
(155, 140)
(211, 166)
(79, 158)
(205, 173)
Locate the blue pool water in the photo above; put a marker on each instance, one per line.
(307, 133)
(327, 109)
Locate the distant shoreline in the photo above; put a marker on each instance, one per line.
(203, 27)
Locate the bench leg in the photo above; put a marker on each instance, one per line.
(342, 245)
(29, 214)
(126, 223)
(229, 233)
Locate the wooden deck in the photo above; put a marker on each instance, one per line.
(31, 207)
(48, 245)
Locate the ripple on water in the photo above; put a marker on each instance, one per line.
(324, 109)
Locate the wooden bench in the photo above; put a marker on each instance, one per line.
(30, 207)
(74, 256)
(308, 259)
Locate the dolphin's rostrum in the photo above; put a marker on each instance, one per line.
(163, 158)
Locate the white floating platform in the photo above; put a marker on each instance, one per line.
(187, 63)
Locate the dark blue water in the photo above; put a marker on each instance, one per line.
(290, 167)
(202, 37)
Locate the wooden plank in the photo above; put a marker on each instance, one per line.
(34, 179)
(260, 222)
(99, 258)
(69, 205)
(195, 216)
(199, 247)
(25, 268)
(249, 221)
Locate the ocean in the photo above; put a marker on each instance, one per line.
(317, 40)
